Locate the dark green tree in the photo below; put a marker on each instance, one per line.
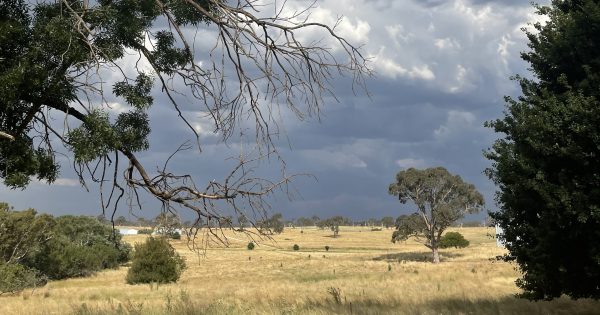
(546, 166)
(155, 261)
(334, 224)
(440, 198)
(453, 239)
(388, 222)
(64, 67)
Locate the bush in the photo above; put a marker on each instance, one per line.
(155, 261)
(250, 246)
(453, 239)
(174, 235)
(296, 247)
(326, 248)
(80, 247)
(16, 277)
(146, 231)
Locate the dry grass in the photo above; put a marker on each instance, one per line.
(373, 276)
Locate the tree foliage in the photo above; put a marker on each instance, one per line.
(36, 247)
(334, 224)
(453, 239)
(272, 225)
(155, 261)
(64, 65)
(546, 166)
(440, 198)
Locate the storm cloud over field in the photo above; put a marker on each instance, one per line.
(441, 70)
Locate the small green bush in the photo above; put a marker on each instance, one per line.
(16, 277)
(146, 231)
(250, 246)
(296, 247)
(453, 239)
(174, 235)
(326, 248)
(155, 261)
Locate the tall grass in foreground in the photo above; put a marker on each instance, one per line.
(183, 304)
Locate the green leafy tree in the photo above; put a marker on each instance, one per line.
(80, 246)
(23, 233)
(68, 61)
(155, 261)
(440, 198)
(334, 224)
(272, 225)
(16, 277)
(388, 222)
(453, 239)
(546, 166)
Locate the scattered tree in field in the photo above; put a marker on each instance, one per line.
(63, 64)
(155, 261)
(388, 222)
(122, 221)
(334, 223)
(441, 199)
(547, 166)
(167, 224)
(302, 221)
(272, 225)
(242, 221)
(453, 239)
(296, 247)
(250, 246)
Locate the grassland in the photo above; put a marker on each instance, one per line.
(372, 276)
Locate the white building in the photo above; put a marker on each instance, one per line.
(128, 231)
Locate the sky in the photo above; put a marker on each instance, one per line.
(441, 69)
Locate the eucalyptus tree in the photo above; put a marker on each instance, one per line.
(546, 164)
(66, 64)
(440, 199)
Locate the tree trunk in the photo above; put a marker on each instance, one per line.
(436, 255)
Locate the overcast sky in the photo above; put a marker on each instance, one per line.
(442, 69)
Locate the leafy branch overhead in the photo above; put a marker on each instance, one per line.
(65, 63)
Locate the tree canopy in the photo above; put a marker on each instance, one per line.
(440, 199)
(546, 166)
(64, 66)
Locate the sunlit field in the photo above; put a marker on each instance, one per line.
(362, 273)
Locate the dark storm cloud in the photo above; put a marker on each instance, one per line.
(442, 68)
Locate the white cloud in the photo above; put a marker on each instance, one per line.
(332, 159)
(410, 162)
(456, 121)
(390, 68)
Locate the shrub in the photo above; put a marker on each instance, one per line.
(16, 277)
(80, 246)
(174, 235)
(146, 231)
(296, 247)
(155, 261)
(250, 246)
(453, 239)
(326, 248)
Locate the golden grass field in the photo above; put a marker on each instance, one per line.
(372, 275)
